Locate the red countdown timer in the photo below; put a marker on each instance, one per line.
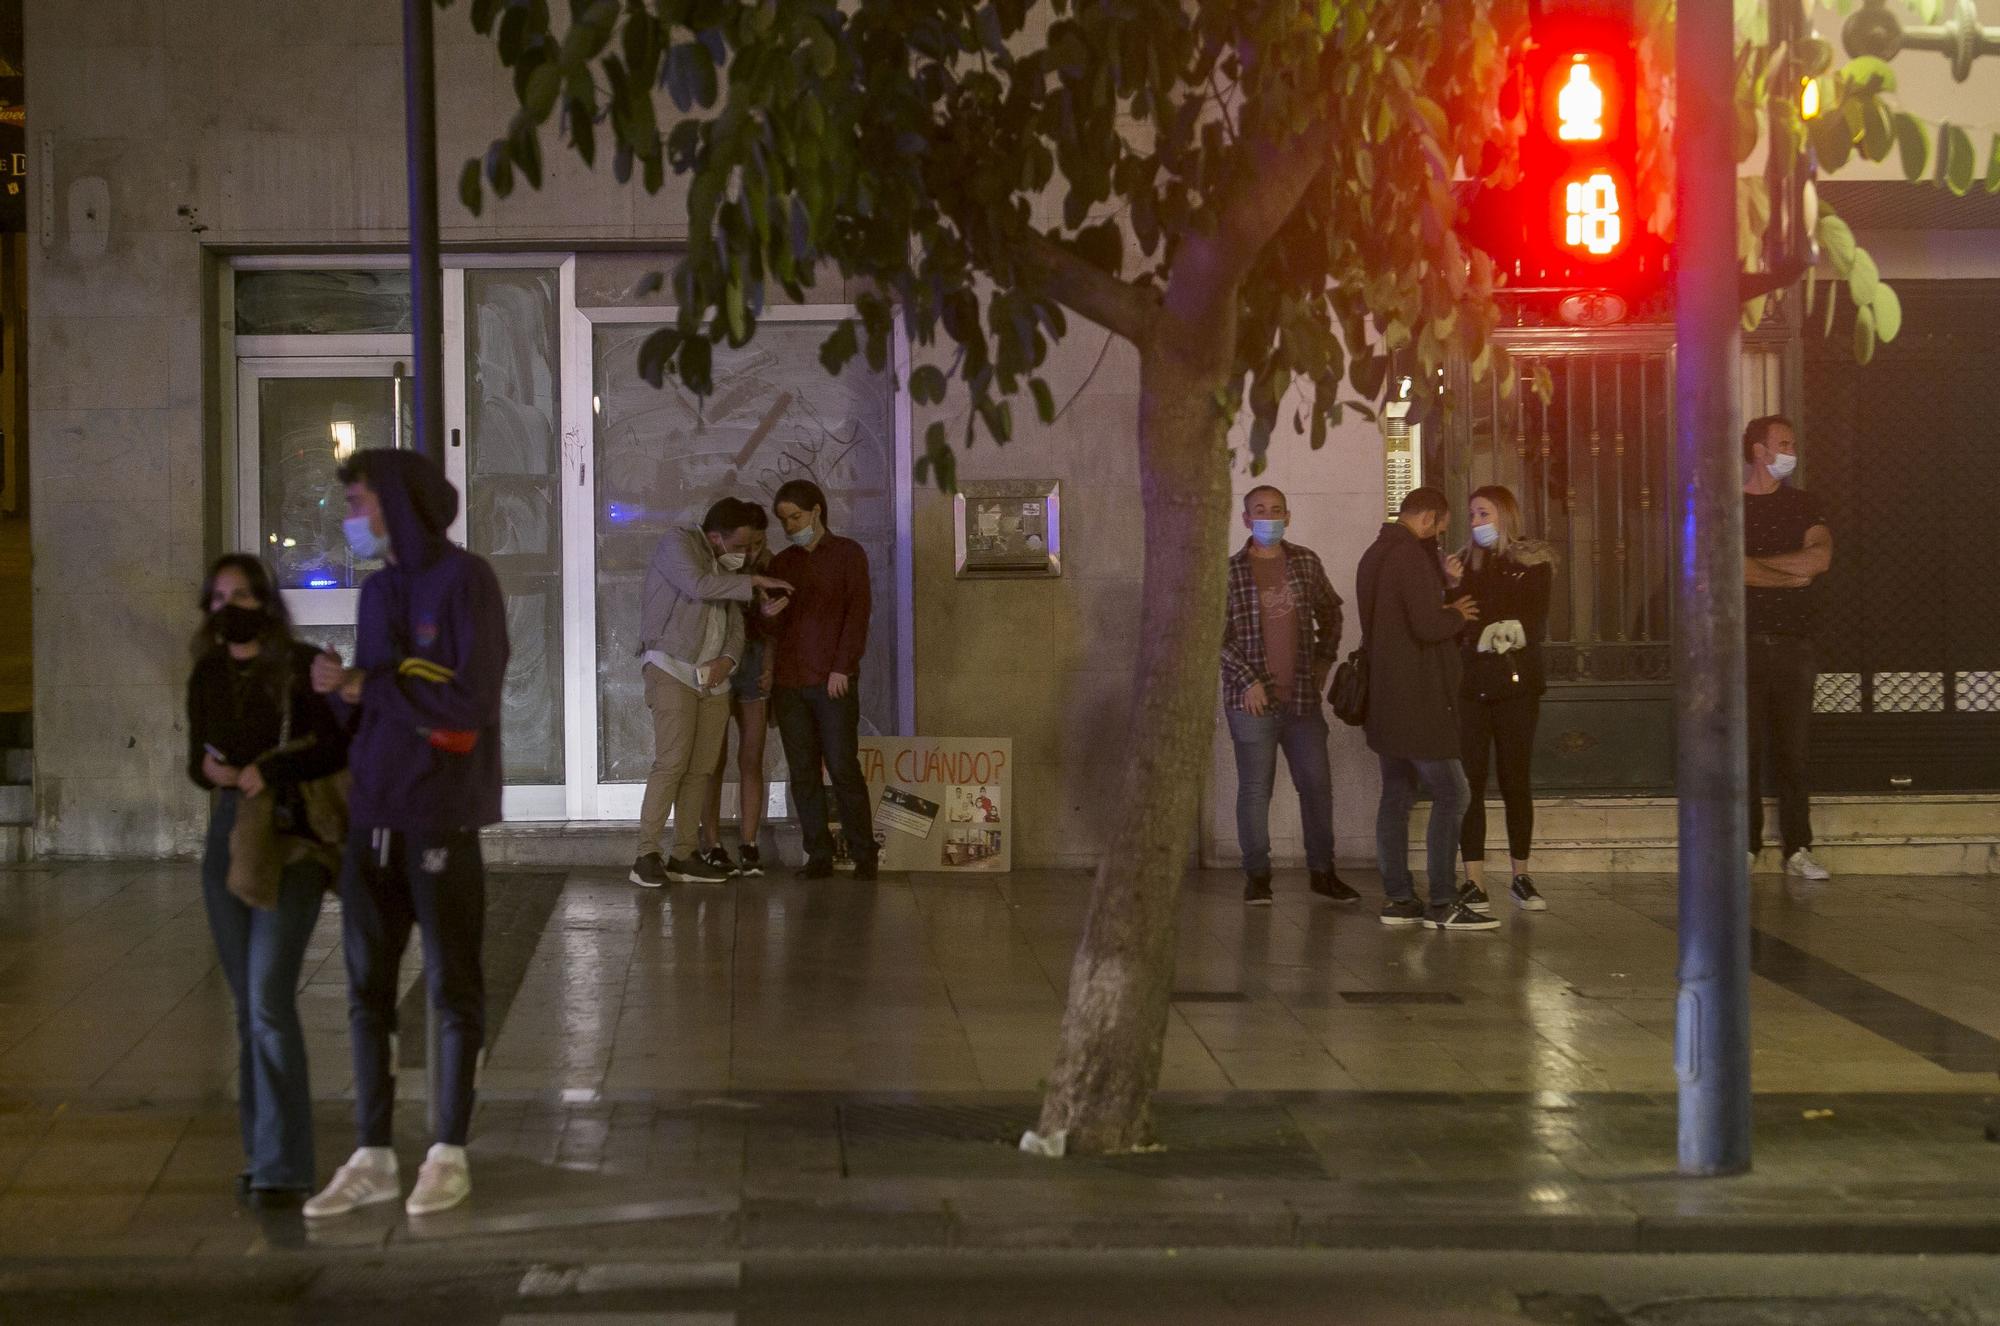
(1583, 123)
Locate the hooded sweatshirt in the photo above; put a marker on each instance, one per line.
(432, 641)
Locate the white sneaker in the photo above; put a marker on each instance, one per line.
(1801, 863)
(443, 1182)
(369, 1177)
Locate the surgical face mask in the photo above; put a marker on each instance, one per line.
(365, 542)
(1782, 465)
(1267, 532)
(238, 624)
(801, 538)
(1486, 536)
(731, 561)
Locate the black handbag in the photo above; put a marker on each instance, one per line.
(1348, 694)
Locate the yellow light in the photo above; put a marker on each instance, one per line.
(1580, 105)
(343, 439)
(1591, 220)
(1809, 99)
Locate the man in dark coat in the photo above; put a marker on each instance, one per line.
(1411, 635)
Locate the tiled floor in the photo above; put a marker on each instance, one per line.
(109, 990)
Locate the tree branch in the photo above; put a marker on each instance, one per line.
(1115, 305)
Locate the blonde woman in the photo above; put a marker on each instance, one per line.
(1501, 694)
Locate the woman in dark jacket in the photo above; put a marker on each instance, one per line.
(1500, 697)
(248, 672)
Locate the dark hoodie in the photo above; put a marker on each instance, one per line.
(433, 643)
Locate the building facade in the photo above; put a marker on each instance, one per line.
(218, 308)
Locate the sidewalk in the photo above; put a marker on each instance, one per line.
(776, 1066)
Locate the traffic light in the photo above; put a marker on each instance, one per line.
(1578, 219)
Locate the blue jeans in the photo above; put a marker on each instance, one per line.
(1445, 781)
(435, 881)
(1257, 739)
(262, 953)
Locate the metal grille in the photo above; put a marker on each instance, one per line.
(1900, 453)
(1907, 692)
(1837, 693)
(1591, 465)
(1977, 692)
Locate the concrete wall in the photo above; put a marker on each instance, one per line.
(164, 129)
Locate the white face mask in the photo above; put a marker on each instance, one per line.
(731, 561)
(1782, 465)
(362, 539)
(1486, 535)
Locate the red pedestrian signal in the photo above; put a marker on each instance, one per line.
(1577, 219)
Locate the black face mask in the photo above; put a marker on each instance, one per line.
(239, 625)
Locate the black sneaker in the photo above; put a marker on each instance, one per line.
(649, 871)
(1402, 911)
(1327, 884)
(694, 870)
(717, 857)
(866, 872)
(1474, 899)
(1525, 896)
(1257, 891)
(747, 861)
(1458, 917)
(816, 867)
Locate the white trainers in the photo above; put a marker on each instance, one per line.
(443, 1182)
(1801, 863)
(369, 1177)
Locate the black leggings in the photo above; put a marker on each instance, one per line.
(1508, 728)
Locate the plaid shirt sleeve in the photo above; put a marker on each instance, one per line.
(1242, 638)
(1326, 616)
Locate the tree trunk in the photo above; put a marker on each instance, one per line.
(1108, 1063)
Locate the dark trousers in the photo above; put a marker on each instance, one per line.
(262, 953)
(1500, 735)
(437, 882)
(819, 730)
(1782, 672)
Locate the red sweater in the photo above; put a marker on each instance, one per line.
(825, 627)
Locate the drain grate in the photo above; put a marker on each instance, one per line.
(1210, 997)
(1197, 1142)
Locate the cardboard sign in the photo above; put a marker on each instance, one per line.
(941, 803)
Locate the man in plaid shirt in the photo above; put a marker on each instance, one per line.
(1279, 643)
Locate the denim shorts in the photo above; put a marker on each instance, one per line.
(747, 682)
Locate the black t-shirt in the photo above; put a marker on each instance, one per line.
(1775, 523)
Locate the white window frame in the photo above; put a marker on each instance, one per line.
(581, 797)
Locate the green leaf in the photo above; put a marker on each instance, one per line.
(840, 346)
(469, 191)
(1832, 140)
(927, 384)
(1914, 143)
(1888, 309)
(1837, 241)
(737, 312)
(1045, 400)
(1960, 162)
(1863, 279)
(1868, 74)
(1993, 166)
(1864, 335)
(656, 352)
(1877, 132)
(539, 98)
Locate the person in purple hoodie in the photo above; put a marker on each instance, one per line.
(424, 702)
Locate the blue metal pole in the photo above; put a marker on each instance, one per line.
(426, 270)
(1712, 1033)
(427, 322)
